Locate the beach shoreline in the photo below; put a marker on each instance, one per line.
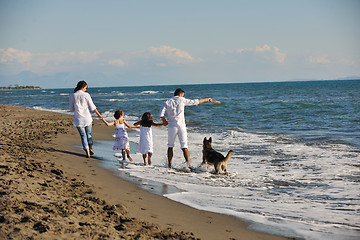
(49, 190)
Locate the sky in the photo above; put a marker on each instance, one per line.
(54, 44)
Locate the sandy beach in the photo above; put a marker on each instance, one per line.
(49, 190)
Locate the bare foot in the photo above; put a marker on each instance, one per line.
(87, 153)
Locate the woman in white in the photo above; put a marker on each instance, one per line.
(146, 138)
(80, 102)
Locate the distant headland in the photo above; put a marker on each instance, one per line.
(17, 87)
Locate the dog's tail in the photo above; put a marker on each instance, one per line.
(228, 155)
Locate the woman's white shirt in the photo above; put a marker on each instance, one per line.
(80, 102)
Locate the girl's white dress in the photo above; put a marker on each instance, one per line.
(121, 137)
(146, 140)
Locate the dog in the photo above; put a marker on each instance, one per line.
(214, 158)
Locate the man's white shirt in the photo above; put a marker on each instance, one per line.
(175, 108)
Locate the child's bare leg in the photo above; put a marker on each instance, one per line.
(144, 157)
(128, 155)
(123, 154)
(149, 154)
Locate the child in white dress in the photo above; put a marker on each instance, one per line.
(146, 138)
(121, 136)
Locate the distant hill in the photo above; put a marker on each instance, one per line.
(350, 78)
(313, 79)
(17, 87)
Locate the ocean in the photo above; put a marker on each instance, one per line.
(296, 166)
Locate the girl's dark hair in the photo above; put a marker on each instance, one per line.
(146, 120)
(80, 85)
(118, 114)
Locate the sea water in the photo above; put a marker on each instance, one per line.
(296, 166)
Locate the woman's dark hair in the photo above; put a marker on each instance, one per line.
(178, 91)
(146, 120)
(80, 85)
(118, 114)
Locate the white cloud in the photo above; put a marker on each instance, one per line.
(161, 65)
(263, 62)
(43, 62)
(272, 54)
(14, 56)
(279, 56)
(172, 54)
(67, 57)
(46, 62)
(348, 62)
(265, 48)
(116, 62)
(322, 59)
(242, 50)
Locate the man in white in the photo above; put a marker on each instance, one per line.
(175, 107)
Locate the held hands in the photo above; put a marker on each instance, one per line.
(102, 119)
(164, 121)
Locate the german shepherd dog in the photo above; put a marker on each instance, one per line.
(212, 157)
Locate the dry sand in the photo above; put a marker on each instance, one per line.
(49, 190)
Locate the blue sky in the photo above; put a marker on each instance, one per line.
(125, 43)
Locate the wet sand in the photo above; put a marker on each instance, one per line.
(49, 190)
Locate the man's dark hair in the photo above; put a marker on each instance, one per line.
(178, 91)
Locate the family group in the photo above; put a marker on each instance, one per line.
(81, 102)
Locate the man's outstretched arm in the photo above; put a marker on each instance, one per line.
(204, 100)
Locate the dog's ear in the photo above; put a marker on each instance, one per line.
(210, 139)
(204, 140)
